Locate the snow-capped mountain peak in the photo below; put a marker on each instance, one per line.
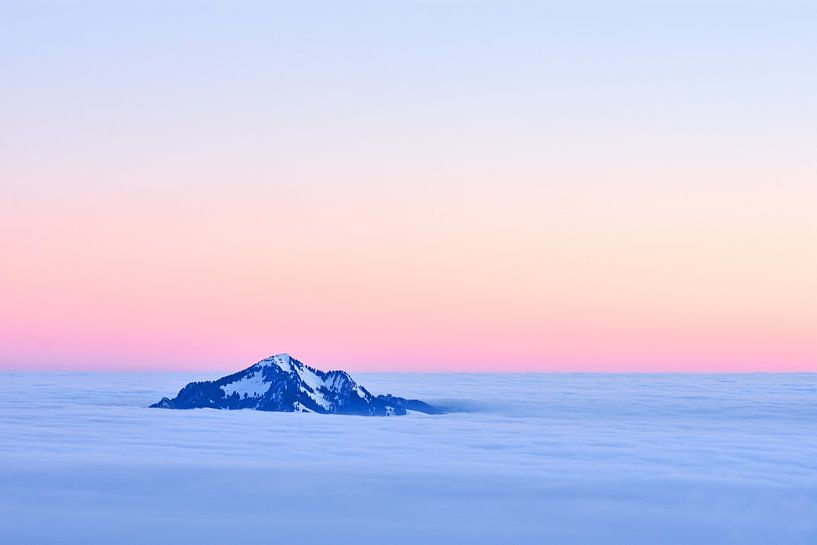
(282, 383)
(283, 360)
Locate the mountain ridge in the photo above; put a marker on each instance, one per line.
(284, 384)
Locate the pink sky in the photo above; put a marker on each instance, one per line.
(526, 189)
(543, 280)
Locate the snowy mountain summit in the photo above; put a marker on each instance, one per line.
(282, 383)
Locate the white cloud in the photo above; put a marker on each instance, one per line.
(588, 459)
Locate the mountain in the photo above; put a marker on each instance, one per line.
(282, 383)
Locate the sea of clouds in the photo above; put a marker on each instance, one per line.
(529, 459)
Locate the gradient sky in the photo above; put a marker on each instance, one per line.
(436, 185)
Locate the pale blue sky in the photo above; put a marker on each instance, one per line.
(534, 185)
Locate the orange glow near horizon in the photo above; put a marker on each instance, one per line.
(530, 282)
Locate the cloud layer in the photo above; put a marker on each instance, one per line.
(535, 459)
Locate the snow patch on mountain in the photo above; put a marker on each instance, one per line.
(253, 385)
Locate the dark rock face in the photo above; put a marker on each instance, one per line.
(282, 383)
